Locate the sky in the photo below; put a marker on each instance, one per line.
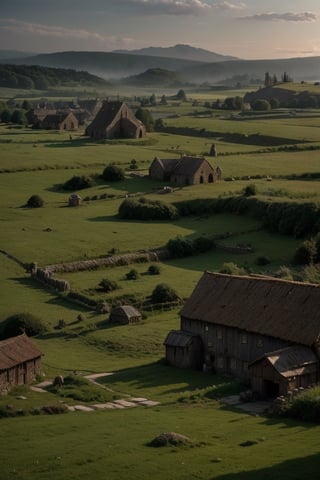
(249, 29)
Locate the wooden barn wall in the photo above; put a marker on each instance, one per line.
(230, 350)
(263, 370)
(21, 374)
(185, 357)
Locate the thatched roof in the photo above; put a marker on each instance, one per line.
(267, 306)
(181, 166)
(16, 350)
(176, 338)
(128, 310)
(291, 361)
(108, 112)
(189, 165)
(168, 164)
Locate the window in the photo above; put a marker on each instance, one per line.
(220, 362)
(233, 364)
(243, 338)
(260, 342)
(219, 334)
(245, 366)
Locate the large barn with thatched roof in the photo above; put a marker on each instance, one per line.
(115, 120)
(20, 362)
(253, 327)
(183, 171)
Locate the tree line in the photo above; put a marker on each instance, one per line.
(42, 78)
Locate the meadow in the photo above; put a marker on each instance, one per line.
(79, 445)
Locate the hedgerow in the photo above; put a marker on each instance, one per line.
(143, 209)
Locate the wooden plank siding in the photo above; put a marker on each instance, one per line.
(230, 350)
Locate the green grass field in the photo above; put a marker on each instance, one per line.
(113, 444)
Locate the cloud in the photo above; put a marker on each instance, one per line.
(283, 17)
(179, 7)
(229, 6)
(40, 30)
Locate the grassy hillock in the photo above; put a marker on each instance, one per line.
(155, 76)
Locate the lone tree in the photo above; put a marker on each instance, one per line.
(145, 116)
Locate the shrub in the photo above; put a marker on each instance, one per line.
(163, 293)
(306, 253)
(112, 173)
(306, 405)
(203, 244)
(22, 322)
(231, 268)
(250, 190)
(180, 247)
(154, 270)
(78, 182)
(263, 261)
(284, 273)
(35, 201)
(144, 209)
(108, 285)
(132, 275)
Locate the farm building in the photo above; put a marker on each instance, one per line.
(285, 370)
(74, 200)
(124, 314)
(115, 120)
(59, 121)
(245, 322)
(37, 115)
(90, 105)
(183, 171)
(183, 349)
(20, 362)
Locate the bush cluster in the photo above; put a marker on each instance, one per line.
(112, 173)
(78, 182)
(308, 252)
(163, 293)
(305, 406)
(132, 275)
(288, 218)
(20, 323)
(108, 285)
(143, 209)
(182, 247)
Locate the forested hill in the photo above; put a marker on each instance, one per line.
(42, 78)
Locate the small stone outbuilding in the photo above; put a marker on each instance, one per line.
(183, 171)
(59, 121)
(20, 362)
(74, 200)
(124, 314)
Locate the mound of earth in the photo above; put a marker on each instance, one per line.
(170, 439)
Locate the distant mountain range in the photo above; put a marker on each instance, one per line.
(191, 65)
(10, 54)
(185, 52)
